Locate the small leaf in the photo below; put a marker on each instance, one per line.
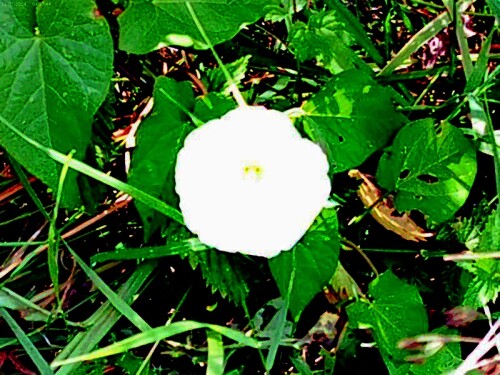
(323, 38)
(316, 258)
(351, 118)
(431, 168)
(382, 210)
(485, 285)
(159, 139)
(55, 69)
(217, 81)
(147, 25)
(356, 29)
(394, 312)
(212, 106)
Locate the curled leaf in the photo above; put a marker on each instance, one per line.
(383, 211)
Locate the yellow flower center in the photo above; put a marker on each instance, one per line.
(253, 171)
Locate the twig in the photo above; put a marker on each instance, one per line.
(353, 246)
(14, 189)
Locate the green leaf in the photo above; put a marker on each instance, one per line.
(351, 118)
(395, 311)
(324, 39)
(444, 360)
(316, 258)
(147, 25)
(224, 272)
(490, 237)
(355, 28)
(237, 69)
(485, 285)
(212, 106)
(55, 68)
(159, 139)
(495, 8)
(431, 168)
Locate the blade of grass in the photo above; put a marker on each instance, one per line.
(161, 333)
(215, 361)
(155, 345)
(25, 243)
(27, 186)
(481, 67)
(490, 131)
(463, 45)
(138, 194)
(21, 303)
(112, 297)
(426, 33)
(53, 238)
(24, 340)
(103, 319)
(178, 248)
(281, 324)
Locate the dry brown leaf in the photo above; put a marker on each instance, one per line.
(383, 211)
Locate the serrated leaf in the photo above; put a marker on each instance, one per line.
(324, 39)
(351, 118)
(485, 286)
(159, 139)
(431, 168)
(147, 25)
(55, 69)
(312, 261)
(237, 69)
(224, 272)
(395, 311)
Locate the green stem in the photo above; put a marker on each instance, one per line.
(232, 85)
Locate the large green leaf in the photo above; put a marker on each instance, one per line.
(395, 311)
(147, 25)
(55, 68)
(159, 139)
(431, 168)
(351, 118)
(312, 263)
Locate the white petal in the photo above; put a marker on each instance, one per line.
(248, 182)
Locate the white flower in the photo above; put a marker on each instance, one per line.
(249, 183)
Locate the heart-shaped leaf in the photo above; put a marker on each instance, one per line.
(351, 118)
(431, 168)
(55, 69)
(312, 262)
(159, 140)
(147, 25)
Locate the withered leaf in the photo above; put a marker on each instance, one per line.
(383, 211)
